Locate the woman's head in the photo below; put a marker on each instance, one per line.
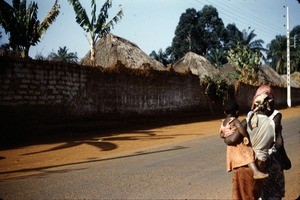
(264, 103)
(261, 105)
(263, 89)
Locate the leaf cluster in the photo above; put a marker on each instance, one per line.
(246, 63)
(217, 88)
(23, 25)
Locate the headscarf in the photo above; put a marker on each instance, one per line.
(263, 89)
(261, 102)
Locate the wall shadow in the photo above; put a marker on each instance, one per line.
(77, 131)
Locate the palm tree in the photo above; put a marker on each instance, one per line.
(254, 45)
(236, 37)
(277, 53)
(217, 56)
(96, 27)
(24, 29)
(62, 55)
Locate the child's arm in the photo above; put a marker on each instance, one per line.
(221, 133)
(240, 128)
(225, 131)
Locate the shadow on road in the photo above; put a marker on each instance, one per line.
(88, 131)
(47, 169)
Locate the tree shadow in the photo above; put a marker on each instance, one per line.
(45, 170)
(103, 146)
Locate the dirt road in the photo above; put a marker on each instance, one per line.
(42, 157)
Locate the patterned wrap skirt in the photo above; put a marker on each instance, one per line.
(274, 185)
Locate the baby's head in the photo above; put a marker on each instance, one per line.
(231, 108)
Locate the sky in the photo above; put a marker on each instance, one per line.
(151, 24)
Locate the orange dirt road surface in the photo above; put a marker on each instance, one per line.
(43, 157)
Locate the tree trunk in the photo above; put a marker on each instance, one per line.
(25, 52)
(93, 62)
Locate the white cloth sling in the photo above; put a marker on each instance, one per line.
(262, 136)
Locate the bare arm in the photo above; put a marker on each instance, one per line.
(278, 130)
(240, 128)
(236, 137)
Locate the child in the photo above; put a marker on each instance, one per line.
(241, 154)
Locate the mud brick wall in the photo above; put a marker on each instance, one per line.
(244, 96)
(48, 89)
(155, 93)
(38, 95)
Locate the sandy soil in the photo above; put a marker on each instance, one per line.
(43, 156)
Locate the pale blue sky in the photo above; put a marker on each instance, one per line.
(151, 23)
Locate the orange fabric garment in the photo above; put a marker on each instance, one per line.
(238, 155)
(244, 186)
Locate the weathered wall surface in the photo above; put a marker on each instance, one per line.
(74, 90)
(35, 94)
(245, 93)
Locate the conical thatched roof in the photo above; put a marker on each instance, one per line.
(111, 49)
(267, 74)
(198, 65)
(228, 72)
(295, 79)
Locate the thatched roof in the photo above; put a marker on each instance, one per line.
(267, 75)
(228, 72)
(295, 79)
(111, 49)
(197, 64)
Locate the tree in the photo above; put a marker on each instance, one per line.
(246, 62)
(24, 29)
(217, 56)
(160, 56)
(200, 32)
(254, 45)
(295, 49)
(214, 30)
(234, 37)
(63, 55)
(276, 54)
(96, 27)
(185, 34)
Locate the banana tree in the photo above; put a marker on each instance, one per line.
(97, 27)
(246, 63)
(24, 29)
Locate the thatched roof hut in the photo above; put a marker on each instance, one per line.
(111, 49)
(197, 64)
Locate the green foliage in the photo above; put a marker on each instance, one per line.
(217, 88)
(63, 55)
(198, 32)
(97, 26)
(217, 56)
(277, 53)
(246, 63)
(21, 23)
(204, 33)
(161, 57)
